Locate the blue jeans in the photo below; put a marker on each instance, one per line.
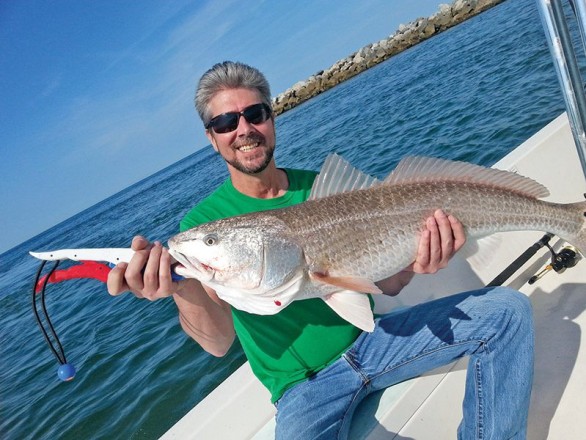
(493, 326)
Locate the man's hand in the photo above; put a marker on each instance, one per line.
(443, 237)
(203, 316)
(147, 275)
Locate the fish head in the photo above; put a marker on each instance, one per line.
(224, 255)
(241, 258)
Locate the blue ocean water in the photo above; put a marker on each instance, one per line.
(472, 93)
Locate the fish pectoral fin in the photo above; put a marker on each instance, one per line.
(354, 307)
(355, 284)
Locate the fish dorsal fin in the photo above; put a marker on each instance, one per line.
(337, 176)
(416, 169)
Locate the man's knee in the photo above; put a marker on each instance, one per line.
(512, 300)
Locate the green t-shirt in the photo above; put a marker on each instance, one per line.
(306, 336)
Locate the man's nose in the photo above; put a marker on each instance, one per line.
(244, 127)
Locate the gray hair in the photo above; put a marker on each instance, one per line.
(229, 75)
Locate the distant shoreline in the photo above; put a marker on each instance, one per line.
(405, 37)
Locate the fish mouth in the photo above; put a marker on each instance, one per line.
(190, 267)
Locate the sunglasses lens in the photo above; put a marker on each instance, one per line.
(255, 114)
(227, 122)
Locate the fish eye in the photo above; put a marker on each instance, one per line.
(210, 239)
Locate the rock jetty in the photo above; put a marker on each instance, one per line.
(406, 36)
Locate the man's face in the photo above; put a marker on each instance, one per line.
(250, 147)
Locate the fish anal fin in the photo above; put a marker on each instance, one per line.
(355, 284)
(354, 307)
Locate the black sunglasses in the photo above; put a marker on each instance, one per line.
(227, 122)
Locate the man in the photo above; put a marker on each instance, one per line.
(317, 366)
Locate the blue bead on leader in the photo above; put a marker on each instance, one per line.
(66, 372)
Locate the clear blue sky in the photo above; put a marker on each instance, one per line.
(97, 95)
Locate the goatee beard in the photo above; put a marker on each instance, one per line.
(253, 138)
(253, 170)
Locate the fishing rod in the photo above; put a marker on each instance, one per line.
(560, 261)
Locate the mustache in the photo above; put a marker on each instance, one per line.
(249, 139)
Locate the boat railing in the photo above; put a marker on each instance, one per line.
(566, 64)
